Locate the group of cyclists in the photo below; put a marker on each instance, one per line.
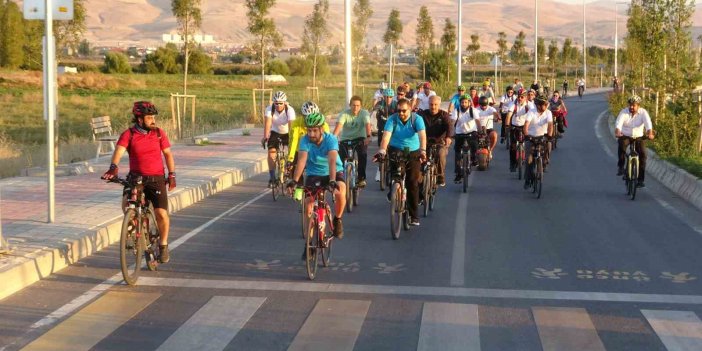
(407, 121)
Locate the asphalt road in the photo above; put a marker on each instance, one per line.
(582, 268)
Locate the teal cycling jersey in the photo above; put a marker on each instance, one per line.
(317, 161)
(404, 134)
(456, 101)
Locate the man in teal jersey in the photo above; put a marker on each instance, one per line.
(354, 125)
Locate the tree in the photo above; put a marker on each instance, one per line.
(32, 48)
(553, 55)
(116, 62)
(316, 31)
(84, 48)
(518, 51)
(425, 36)
(278, 66)
(11, 35)
(501, 45)
(448, 42)
(392, 35)
(567, 53)
(189, 18)
(472, 51)
(200, 62)
(68, 34)
(362, 12)
(163, 60)
(263, 29)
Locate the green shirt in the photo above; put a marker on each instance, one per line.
(354, 127)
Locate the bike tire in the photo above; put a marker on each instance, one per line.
(311, 246)
(634, 178)
(326, 249)
(520, 161)
(405, 220)
(627, 176)
(383, 177)
(131, 247)
(395, 210)
(349, 190)
(538, 180)
(482, 162)
(465, 164)
(303, 217)
(426, 191)
(151, 255)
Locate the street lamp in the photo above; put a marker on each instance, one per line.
(616, 38)
(536, 40)
(347, 51)
(459, 59)
(584, 46)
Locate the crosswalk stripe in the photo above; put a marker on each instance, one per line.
(93, 323)
(332, 325)
(563, 328)
(448, 327)
(678, 330)
(214, 325)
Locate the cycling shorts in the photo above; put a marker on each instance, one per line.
(154, 190)
(274, 143)
(310, 180)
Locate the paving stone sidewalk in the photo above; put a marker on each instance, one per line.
(88, 217)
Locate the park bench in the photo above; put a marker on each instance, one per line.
(102, 134)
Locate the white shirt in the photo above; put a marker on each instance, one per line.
(464, 123)
(633, 126)
(581, 83)
(424, 99)
(378, 95)
(520, 117)
(486, 117)
(532, 105)
(538, 123)
(508, 103)
(279, 123)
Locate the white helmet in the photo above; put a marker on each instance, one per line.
(383, 85)
(309, 108)
(280, 96)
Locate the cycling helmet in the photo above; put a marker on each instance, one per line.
(473, 88)
(483, 101)
(521, 92)
(540, 100)
(309, 108)
(315, 119)
(464, 97)
(144, 108)
(634, 99)
(280, 96)
(461, 88)
(509, 87)
(388, 93)
(383, 85)
(427, 85)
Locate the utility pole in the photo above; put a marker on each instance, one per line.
(536, 40)
(584, 46)
(459, 59)
(347, 49)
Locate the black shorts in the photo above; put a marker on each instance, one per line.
(310, 180)
(154, 190)
(275, 140)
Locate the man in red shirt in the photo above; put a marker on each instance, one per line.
(145, 143)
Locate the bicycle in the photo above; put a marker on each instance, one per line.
(581, 90)
(558, 119)
(399, 213)
(430, 183)
(139, 235)
(520, 152)
(281, 176)
(505, 134)
(351, 173)
(465, 162)
(631, 174)
(536, 169)
(384, 169)
(482, 155)
(318, 227)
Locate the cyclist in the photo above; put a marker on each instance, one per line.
(298, 132)
(145, 143)
(422, 102)
(615, 84)
(406, 130)
(454, 102)
(633, 122)
(378, 95)
(319, 156)
(547, 87)
(487, 115)
(487, 92)
(565, 87)
(278, 120)
(466, 125)
(581, 86)
(538, 123)
(354, 125)
(516, 120)
(536, 87)
(410, 94)
(559, 111)
(474, 96)
(531, 95)
(439, 130)
(518, 84)
(507, 102)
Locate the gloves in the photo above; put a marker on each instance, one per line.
(171, 181)
(264, 141)
(290, 184)
(111, 173)
(379, 156)
(332, 186)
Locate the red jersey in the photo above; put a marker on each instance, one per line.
(145, 151)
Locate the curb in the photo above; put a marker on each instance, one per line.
(679, 181)
(51, 260)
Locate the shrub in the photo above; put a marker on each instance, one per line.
(200, 63)
(163, 60)
(116, 62)
(277, 67)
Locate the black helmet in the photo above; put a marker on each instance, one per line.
(483, 101)
(540, 100)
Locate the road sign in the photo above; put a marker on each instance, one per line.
(35, 10)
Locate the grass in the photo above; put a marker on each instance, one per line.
(692, 164)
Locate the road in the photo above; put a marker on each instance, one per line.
(582, 268)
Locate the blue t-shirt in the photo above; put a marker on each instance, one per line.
(456, 101)
(405, 134)
(317, 162)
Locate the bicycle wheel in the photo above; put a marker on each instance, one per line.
(327, 237)
(520, 160)
(303, 217)
(396, 210)
(426, 191)
(627, 176)
(348, 170)
(131, 247)
(538, 179)
(634, 177)
(465, 164)
(151, 255)
(405, 219)
(311, 246)
(382, 166)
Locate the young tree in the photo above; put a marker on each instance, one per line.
(362, 12)
(116, 62)
(68, 34)
(393, 33)
(316, 30)
(567, 53)
(189, 17)
(84, 48)
(553, 55)
(472, 51)
(263, 29)
(448, 42)
(501, 45)
(518, 51)
(32, 48)
(11, 35)
(425, 36)
(541, 46)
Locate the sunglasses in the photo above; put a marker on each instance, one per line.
(280, 103)
(403, 110)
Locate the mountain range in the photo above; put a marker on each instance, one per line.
(143, 22)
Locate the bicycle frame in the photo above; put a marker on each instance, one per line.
(350, 147)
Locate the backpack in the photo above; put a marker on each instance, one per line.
(413, 119)
(131, 136)
(470, 110)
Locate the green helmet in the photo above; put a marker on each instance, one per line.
(314, 120)
(465, 97)
(461, 88)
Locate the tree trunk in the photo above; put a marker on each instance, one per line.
(263, 66)
(314, 68)
(187, 57)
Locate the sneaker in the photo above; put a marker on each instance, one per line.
(502, 140)
(414, 222)
(640, 184)
(338, 228)
(458, 179)
(163, 257)
(377, 175)
(620, 171)
(271, 183)
(361, 183)
(441, 181)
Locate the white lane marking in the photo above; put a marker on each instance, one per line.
(458, 258)
(83, 330)
(332, 325)
(420, 290)
(563, 328)
(214, 325)
(449, 327)
(678, 330)
(117, 278)
(604, 142)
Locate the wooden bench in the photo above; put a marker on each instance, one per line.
(102, 134)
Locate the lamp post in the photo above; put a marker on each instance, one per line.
(459, 59)
(347, 49)
(584, 46)
(536, 40)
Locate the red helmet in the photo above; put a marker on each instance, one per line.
(427, 85)
(144, 108)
